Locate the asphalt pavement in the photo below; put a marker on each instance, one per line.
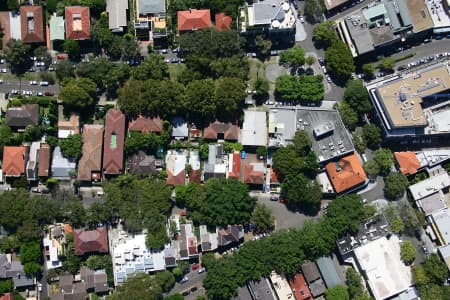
(24, 85)
(195, 280)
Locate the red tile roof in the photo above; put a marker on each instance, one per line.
(192, 246)
(68, 228)
(145, 125)
(408, 162)
(78, 22)
(274, 176)
(299, 287)
(44, 160)
(13, 161)
(32, 24)
(194, 19)
(347, 173)
(236, 168)
(7, 296)
(90, 164)
(114, 142)
(175, 179)
(89, 241)
(5, 27)
(230, 131)
(195, 176)
(251, 176)
(223, 22)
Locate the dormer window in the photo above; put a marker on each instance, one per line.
(77, 25)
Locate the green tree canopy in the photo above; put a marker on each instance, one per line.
(348, 114)
(346, 212)
(310, 60)
(71, 146)
(263, 45)
(72, 48)
(372, 135)
(138, 287)
(79, 94)
(387, 64)
(306, 89)
(262, 218)
(313, 10)
(64, 70)
(357, 97)
(337, 293)
(153, 67)
(372, 168)
(221, 202)
(325, 35)
(17, 56)
(165, 280)
(285, 162)
(368, 69)
(395, 185)
(301, 192)
(339, 61)
(293, 57)
(407, 252)
(384, 159)
(302, 143)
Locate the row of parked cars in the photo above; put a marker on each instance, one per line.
(424, 60)
(31, 93)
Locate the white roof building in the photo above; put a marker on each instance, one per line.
(430, 186)
(130, 255)
(254, 130)
(52, 253)
(385, 272)
(441, 221)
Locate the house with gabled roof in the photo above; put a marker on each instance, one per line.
(146, 124)
(194, 19)
(90, 241)
(223, 22)
(117, 14)
(90, 164)
(208, 240)
(407, 162)
(221, 131)
(44, 161)
(187, 241)
(32, 24)
(20, 117)
(78, 22)
(175, 167)
(142, 164)
(346, 174)
(254, 173)
(14, 158)
(234, 165)
(114, 140)
(233, 234)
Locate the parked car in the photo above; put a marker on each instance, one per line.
(328, 78)
(1, 81)
(184, 280)
(324, 69)
(302, 20)
(33, 82)
(43, 83)
(201, 270)
(164, 51)
(3, 70)
(195, 267)
(49, 94)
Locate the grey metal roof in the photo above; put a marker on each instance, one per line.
(180, 128)
(151, 6)
(394, 20)
(361, 37)
(265, 12)
(61, 166)
(117, 14)
(329, 273)
(404, 13)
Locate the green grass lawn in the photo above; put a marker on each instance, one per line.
(175, 70)
(256, 69)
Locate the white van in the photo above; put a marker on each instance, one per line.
(43, 83)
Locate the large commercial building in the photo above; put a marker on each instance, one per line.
(414, 107)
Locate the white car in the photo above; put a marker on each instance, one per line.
(43, 83)
(324, 70)
(3, 70)
(328, 78)
(33, 82)
(302, 20)
(1, 81)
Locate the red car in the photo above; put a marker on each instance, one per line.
(282, 199)
(195, 267)
(61, 56)
(49, 94)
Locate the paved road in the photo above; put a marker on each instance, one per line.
(300, 32)
(377, 192)
(424, 50)
(195, 280)
(14, 84)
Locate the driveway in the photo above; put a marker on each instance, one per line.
(195, 280)
(284, 218)
(274, 70)
(300, 32)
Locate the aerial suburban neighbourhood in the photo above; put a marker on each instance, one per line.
(226, 149)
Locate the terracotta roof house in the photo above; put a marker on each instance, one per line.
(44, 160)
(194, 161)
(5, 27)
(90, 241)
(254, 173)
(32, 24)
(232, 234)
(7, 296)
(90, 165)
(234, 166)
(194, 19)
(407, 162)
(299, 287)
(78, 22)
(187, 241)
(273, 177)
(223, 22)
(142, 164)
(346, 174)
(114, 142)
(175, 167)
(146, 125)
(67, 125)
(221, 131)
(21, 117)
(13, 161)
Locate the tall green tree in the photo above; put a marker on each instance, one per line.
(165, 280)
(384, 159)
(293, 57)
(372, 135)
(302, 143)
(63, 70)
(387, 64)
(337, 293)
(79, 94)
(262, 218)
(138, 287)
(348, 114)
(395, 185)
(263, 45)
(324, 35)
(17, 56)
(407, 252)
(339, 61)
(153, 67)
(72, 48)
(357, 97)
(313, 10)
(301, 192)
(71, 146)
